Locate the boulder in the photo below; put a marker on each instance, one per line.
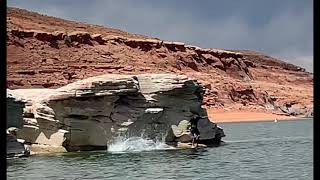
(89, 114)
(295, 109)
(182, 132)
(16, 147)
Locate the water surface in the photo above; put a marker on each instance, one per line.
(255, 150)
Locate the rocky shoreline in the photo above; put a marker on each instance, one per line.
(88, 114)
(63, 71)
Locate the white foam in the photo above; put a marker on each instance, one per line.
(136, 144)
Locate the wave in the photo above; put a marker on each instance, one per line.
(136, 144)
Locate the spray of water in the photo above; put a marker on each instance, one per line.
(136, 144)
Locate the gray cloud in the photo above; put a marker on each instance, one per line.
(283, 30)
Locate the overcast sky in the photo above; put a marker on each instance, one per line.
(280, 28)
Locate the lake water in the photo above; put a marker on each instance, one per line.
(258, 150)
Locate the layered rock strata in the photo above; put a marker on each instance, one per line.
(48, 52)
(88, 114)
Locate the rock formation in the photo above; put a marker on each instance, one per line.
(48, 52)
(15, 147)
(88, 114)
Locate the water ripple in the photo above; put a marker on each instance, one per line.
(281, 153)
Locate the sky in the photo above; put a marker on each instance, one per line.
(279, 28)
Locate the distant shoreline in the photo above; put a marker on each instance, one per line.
(220, 117)
(262, 120)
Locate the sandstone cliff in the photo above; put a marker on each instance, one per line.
(89, 114)
(49, 52)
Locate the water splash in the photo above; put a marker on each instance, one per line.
(136, 144)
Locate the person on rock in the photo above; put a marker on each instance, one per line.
(194, 129)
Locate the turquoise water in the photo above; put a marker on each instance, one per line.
(259, 150)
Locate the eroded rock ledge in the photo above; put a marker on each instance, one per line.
(83, 37)
(88, 114)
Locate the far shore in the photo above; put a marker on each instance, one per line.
(246, 116)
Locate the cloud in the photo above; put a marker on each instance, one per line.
(283, 30)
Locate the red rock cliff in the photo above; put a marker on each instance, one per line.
(44, 51)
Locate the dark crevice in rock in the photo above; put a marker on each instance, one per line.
(77, 116)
